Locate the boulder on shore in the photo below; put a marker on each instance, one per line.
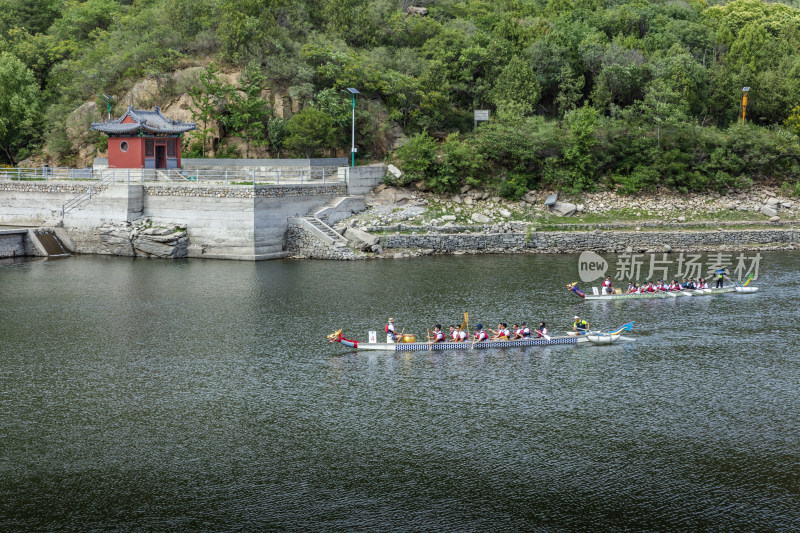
(360, 240)
(564, 209)
(769, 211)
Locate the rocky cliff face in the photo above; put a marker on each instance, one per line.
(171, 94)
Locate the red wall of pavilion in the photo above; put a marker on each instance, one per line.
(133, 158)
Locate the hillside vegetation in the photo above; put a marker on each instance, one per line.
(583, 94)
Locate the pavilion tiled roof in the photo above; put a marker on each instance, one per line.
(149, 121)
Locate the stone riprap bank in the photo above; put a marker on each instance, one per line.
(597, 241)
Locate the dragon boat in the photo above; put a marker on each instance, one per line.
(600, 295)
(570, 339)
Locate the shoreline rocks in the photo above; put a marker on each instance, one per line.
(139, 238)
(474, 222)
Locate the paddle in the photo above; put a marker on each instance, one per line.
(546, 337)
(473, 342)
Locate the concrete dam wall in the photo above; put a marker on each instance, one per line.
(243, 222)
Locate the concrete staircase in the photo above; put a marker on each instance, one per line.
(335, 238)
(338, 209)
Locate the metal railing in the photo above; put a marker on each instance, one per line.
(275, 176)
(82, 197)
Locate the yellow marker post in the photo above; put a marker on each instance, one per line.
(744, 102)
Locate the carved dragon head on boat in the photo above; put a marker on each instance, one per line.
(337, 336)
(574, 288)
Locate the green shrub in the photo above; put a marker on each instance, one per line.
(457, 162)
(415, 158)
(514, 186)
(642, 178)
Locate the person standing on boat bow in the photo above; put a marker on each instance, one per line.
(720, 272)
(581, 326)
(391, 333)
(607, 285)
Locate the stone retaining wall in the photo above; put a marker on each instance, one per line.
(615, 241)
(52, 187)
(303, 243)
(12, 243)
(245, 191)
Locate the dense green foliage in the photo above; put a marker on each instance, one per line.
(632, 94)
(20, 106)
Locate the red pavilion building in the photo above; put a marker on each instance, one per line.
(144, 139)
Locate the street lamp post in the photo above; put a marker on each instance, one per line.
(744, 101)
(108, 104)
(353, 93)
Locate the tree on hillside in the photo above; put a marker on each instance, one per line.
(662, 107)
(20, 107)
(80, 20)
(36, 16)
(310, 131)
(249, 113)
(207, 98)
(276, 130)
(580, 160)
(793, 121)
(517, 91)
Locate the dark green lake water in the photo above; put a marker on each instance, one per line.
(202, 395)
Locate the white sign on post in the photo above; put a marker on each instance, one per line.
(373, 337)
(481, 115)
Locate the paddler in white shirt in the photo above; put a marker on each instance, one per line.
(454, 334)
(438, 334)
(502, 333)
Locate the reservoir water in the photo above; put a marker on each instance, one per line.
(202, 395)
